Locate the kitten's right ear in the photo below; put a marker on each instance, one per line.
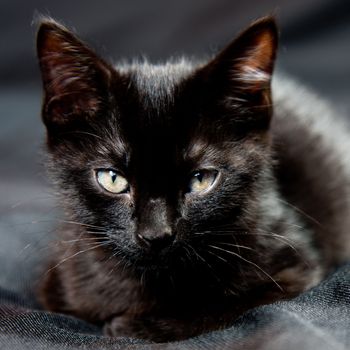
(75, 79)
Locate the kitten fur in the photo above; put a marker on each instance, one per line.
(160, 262)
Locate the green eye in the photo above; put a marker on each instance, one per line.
(111, 181)
(202, 180)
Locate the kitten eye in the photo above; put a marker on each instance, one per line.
(202, 180)
(111, 181)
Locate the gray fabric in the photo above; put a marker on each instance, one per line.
(314, 48)
(318, 319)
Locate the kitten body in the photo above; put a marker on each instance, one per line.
(271, 223)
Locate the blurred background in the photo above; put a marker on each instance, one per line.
(315, 48)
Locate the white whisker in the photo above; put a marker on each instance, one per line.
(76, 254)
(249, 262)
(80, 224)
(235, 245)
(300, 211)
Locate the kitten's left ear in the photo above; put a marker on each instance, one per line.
(75, 79)
(243, 70)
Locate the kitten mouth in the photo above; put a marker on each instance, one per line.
(156, 259)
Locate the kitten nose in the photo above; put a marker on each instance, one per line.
(154, 231)
(155, 242)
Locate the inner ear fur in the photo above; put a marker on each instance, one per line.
(75, 79)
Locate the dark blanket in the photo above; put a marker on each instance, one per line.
(318, 319)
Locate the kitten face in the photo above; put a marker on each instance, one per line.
(165, 159)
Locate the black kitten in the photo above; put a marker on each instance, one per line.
(186, 203)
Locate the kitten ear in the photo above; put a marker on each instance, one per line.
(242, 72)
(75, 80)
(253, 54)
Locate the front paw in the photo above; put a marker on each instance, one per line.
(119, 326)
(150, 328)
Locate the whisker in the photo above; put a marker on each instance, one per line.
(102, 233)
(205, 262)
(224, 260)
(287, 242)
(76, 254)
(35, 222)
(301, 211)
(274, 234)
(97, 239)
(236, 245)
(249, 262)
(280, 238)
(268, 234)
(219, 257)
(115, 254)
(84, 133)
(187, 251)
(80, 224)
(218, 233)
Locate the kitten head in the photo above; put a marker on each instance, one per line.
(168, 162)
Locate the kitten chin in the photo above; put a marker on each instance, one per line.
(193, 193)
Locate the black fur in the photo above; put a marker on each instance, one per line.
(170, 263)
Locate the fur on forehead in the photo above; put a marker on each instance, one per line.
(156, 83)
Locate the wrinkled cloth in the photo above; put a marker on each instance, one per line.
(318, 319)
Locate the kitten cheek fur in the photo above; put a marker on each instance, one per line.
(156, 124)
